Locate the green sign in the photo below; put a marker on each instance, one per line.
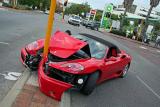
(106, 23)
(109, 8)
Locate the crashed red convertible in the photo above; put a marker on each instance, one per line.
(74, 61)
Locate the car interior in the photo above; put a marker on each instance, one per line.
(112, 52)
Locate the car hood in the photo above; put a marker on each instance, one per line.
(89, 64)
(63, 45)
(74, 19)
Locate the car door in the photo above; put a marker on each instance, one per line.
(111, 65)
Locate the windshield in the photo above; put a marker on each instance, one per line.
(97, 49)
(76, 17)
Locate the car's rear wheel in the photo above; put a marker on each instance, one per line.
(125, 71)
(90, 83)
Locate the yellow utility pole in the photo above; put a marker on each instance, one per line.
(64, 6)
(49, 27)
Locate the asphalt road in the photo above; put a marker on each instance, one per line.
(141, 88)
(16, 30)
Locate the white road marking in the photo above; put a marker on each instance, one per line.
(142, 47)
(5, 43)
(148, 87)
(11, 75)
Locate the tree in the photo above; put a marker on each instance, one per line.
(127, 5)
(98, 15)
(36, 3)
(78, 9)
(153, 3)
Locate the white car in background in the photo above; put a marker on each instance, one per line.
(74, 20)
(46, 11)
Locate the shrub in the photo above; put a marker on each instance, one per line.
(117, 32)
(23, 7)
(7, 5)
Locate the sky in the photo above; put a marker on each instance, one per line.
(99, 4)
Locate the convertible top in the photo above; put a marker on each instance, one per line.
(107, 43)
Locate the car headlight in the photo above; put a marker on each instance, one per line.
(33, 45)
(73, 67)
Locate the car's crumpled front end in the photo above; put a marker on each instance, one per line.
(60, 70)
(50, 86)
(55, 77)
(31, 54)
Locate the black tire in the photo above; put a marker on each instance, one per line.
(125, 71)
(90, 83)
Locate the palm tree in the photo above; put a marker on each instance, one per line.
(153, 3)
(127, 5)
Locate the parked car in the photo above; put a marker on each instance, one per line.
(84, 22)
(46, 12)
(75, 61)
(74, 20)
(93, 25)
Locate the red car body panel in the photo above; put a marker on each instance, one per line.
(89, 65)
(51, 87)
(35, 46)
(63, 46)
(23, 56)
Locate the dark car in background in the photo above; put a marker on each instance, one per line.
(84, 22)
(93, 25)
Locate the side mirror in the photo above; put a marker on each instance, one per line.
(110, 59)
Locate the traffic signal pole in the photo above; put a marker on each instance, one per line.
(49, 28)
(64, 6)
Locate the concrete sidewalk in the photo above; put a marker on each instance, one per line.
(31, 96)
(26, 93)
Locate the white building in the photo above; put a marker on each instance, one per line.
(143, 12)
(140, 13)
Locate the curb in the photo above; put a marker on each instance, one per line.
(118, 36)
(66, 99)
(20, 10)
(15, 90)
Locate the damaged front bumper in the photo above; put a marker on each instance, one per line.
(29, 60)
(23, 56)
(50, 86)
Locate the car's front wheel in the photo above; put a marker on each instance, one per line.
(125, 71)
(90, 83)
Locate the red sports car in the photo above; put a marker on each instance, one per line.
(75, 61)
